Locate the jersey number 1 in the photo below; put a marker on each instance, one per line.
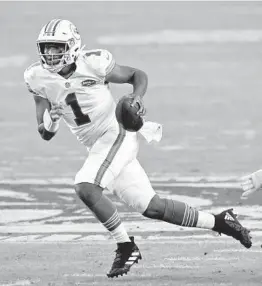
(81, 118)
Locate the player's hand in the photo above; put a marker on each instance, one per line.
(251, 183)
(56, 111)
(138, 99)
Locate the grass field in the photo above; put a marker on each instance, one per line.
(176, 264)
(204, 62)
(47, 237)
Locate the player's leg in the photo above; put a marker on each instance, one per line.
(140, 195)
(105, 161)
(103, 208)
(180, 213)
(127, 252)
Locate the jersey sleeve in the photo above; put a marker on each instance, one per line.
(101, 61)
(32, 83)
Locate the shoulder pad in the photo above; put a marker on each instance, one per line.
(31, 78)
(101, 61)
(30, 72)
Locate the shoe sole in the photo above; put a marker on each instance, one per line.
(124, 270)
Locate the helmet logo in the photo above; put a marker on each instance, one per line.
(71, 42)
(75, 32)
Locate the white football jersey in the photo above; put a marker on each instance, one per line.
(89, 108)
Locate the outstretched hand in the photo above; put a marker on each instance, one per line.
(251, 183)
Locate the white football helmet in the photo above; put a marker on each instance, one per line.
(61, 33)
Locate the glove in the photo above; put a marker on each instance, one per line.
(251, 183)
(51, 119)
(56, 111)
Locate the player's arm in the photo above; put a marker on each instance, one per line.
(133, 76)
(47, 117)
(47, 113)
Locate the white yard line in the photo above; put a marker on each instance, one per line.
(202, 240)
(21, 282)
(138, 226)
(157, 180)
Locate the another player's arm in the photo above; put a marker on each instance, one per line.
(251, 183)
(42, 104)
(133, 76)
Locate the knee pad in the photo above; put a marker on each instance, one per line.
(90, 194)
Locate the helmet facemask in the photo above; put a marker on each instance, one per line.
(58, 44)
(54, 55)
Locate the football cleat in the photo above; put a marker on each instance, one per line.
(127, 254)
(227, 223)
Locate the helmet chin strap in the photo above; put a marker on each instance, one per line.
(59, 69)
(55, 70)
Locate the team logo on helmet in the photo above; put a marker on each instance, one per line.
(75, 32)
(71, 42)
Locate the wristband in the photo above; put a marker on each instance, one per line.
(49, 124)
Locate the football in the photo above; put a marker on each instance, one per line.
(127, 115)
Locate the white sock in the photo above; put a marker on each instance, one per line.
(205, 220)
(119, 234)
(116, 228)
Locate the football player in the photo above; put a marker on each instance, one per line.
(72, 83)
